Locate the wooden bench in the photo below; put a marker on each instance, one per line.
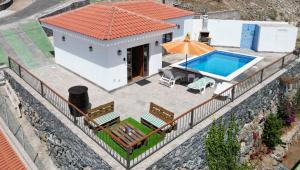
(103, 115)
(158, 117)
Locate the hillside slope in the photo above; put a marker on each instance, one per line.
(284, 10)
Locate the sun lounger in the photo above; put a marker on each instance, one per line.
(221, 87)
(201, 84)
(169, 78)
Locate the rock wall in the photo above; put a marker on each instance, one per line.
(65, 148)
(190, 155)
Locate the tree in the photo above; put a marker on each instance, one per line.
(222, 149)
(272, 131)
(232, 145)
(214, 147)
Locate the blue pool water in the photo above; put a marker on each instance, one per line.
(218, 62)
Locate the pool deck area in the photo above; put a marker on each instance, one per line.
(133, 100)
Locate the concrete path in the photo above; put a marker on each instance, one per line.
(34, 8)
(7, 48)
(36, 52)
(35, 57)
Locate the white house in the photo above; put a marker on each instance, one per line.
(112, 44)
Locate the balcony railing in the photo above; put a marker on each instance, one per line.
(185, 121)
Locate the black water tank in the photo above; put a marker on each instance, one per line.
(78, 95)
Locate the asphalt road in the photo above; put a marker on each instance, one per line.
(35, 7)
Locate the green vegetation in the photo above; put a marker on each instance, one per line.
(272, 131)
(20, 48)
(152, 140)
(222, 149)
(35, 32)
(3, 56)
(272, 14)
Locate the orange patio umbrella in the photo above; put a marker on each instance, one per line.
(187, 47)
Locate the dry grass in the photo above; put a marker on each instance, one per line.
(200, 5)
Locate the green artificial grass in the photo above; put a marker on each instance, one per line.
(3, 56)
(20, 48)
(152, 140)
(35, 32)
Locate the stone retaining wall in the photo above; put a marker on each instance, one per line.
(191, 154)
(65, 148)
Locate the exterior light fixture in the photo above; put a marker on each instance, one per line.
(119, 52)
(156, 43)
(63, 38)
(90, 48)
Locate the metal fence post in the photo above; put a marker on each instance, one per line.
(128, 152)
(232, 93)
(282, 65)
(9, 62)
(262, 76)
(19, 67)
(42, 89)
(192, 119)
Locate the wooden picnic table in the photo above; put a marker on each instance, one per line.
(128, 134)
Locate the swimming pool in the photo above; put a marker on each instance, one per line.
(219, 64)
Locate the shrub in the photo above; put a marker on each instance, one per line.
(286, 111)
(272, 131)
(222, 149)
(272, 14)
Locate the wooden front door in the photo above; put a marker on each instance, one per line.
(138, 61)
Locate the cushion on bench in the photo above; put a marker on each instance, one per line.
(107, 118)
(155, 121)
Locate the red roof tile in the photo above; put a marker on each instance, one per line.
(8, 158)
(153, 9)
(106, 22)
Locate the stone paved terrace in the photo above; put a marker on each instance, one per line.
(133, 100)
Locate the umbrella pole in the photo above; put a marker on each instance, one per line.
(186, 73)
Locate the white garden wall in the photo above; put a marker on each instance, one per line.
(277, 38)
(228, 33)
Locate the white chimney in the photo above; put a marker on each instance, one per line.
(204, 22)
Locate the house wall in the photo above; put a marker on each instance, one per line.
(103, 65)
(279, 39)
(228, 33)
(180, 33)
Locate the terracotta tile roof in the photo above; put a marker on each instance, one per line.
(153, 9)
(8, 158)
(106, 22)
